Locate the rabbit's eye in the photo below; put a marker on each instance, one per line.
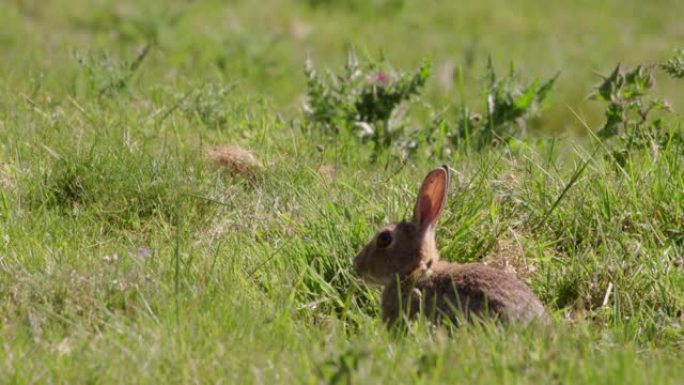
(384, 239)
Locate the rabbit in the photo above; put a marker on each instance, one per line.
(403, 257)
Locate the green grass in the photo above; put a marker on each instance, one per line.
(125, 256)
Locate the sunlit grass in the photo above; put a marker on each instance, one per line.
(128, 253)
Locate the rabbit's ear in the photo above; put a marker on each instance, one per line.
(431, 198)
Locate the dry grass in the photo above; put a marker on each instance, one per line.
(5, 179)
(235, 160)
(327, 172)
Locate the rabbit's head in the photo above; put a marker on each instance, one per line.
(401, 248)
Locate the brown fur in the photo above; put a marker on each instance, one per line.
(417, 282)
(453, 290)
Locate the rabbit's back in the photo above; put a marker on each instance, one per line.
(461, 291)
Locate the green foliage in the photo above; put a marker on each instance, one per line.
(632, 114)
(366, 99)
(674, 66)
(510, 105)
(342, 368)
(363, 99)
(208, 104)
(108, 76)
(629, 103)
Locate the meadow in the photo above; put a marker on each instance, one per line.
(183, 187)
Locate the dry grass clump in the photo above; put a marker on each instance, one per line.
(5, 179)
(235, 160)
(327, 172)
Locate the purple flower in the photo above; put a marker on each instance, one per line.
(382, 77)
(144, 251)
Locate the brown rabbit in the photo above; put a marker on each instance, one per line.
(403, 257)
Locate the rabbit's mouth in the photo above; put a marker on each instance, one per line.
(363, 267)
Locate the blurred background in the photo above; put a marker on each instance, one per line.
(261, 46)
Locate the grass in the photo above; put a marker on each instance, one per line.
(127, 255)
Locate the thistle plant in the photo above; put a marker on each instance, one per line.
(365, 99)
